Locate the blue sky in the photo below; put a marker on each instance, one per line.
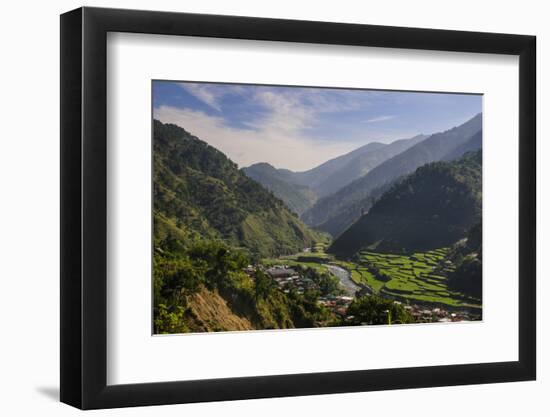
(298, 128)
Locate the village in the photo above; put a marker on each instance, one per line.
(423, 314)
(288, 278)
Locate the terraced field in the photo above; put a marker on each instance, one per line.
(417, 278)
(316, 260)
(420, 277)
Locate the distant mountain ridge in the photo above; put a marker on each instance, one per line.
(300, 190)
(297, 197)
(434, 207)
(315, 178)
(363, 162)
(473, 144)
(338, 211)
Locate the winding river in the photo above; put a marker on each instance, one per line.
(345, 279)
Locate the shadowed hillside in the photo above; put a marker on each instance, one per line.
(432, 208)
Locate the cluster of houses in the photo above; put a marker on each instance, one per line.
(337, 303)
(422, 314)
(287, 278)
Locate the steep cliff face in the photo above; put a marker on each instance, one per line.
(208, 312)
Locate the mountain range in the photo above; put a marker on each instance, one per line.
(338, 211)
(434, 207)
(214, 223)
(331, 196)
(199, 192)
(300, 190)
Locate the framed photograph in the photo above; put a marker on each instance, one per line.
(257, 208)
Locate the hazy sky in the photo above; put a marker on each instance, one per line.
(299, 128)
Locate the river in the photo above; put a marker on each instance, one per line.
(345, 279)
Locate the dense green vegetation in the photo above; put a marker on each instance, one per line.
(467, 256)
(377, 310)
(200, 193)
(210, 222)
(181, 272)
(336, 212)
(432, 208)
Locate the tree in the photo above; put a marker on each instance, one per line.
(371, 309)
(169, 320)
(263, 285)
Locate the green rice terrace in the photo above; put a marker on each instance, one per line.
(418, 278)
(315, 258)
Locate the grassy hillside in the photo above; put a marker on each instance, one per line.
(349, 201)
(199, 192)
(432, 208)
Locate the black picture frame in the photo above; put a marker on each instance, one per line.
(84, 207)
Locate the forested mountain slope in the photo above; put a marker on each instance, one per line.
(200, 193)
(432, 208)
(467, 256)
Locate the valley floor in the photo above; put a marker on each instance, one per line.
(417, 281)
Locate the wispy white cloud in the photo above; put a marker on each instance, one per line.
(283, 113)
(380, 119)
(276, 138)
(204, 93)
(298, 128)
(280, 132)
